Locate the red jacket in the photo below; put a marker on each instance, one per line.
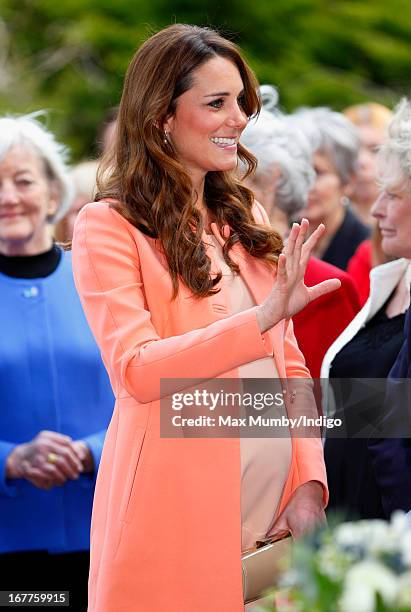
(359, 268)
(318, 325)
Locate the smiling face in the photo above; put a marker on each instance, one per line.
(26, 201)
(209, 118)
(393, 213)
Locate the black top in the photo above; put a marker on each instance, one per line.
(31, 266)
(373, 350)
(354, 491)
(347, 238)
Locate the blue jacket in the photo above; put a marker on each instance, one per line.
(51, 377)
(391, 457)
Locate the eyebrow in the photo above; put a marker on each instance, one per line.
(22, 171)
(221, 93)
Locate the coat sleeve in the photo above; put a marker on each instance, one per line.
(95, 443)
(109, 281)
(8, 487)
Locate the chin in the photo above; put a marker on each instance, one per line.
(391, 250)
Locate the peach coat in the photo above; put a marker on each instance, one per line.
(166, 526)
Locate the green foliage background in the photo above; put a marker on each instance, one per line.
(69, 56)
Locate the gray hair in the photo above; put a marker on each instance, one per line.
(334, 135)
(394, 156)
(28, 132)
(83, 176)
(278, 145)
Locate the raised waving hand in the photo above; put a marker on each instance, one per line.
(289, 294)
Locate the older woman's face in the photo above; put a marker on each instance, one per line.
(324, 198)
(393, 213)
(26, 200)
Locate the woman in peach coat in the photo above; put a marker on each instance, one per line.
(159, 263)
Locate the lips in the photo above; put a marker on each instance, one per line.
(9, 215)
(224, 142)
(386, 232)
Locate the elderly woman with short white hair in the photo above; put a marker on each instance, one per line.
(55, 394)
(366, 484)
(335, 146)
(284, 172)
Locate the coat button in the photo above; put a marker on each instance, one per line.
(30, 292)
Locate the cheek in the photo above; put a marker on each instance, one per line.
(334, 190)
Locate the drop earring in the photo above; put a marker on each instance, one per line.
(165, 139)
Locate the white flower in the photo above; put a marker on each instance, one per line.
(405, 547)
(364, 535)
(363, 581)
(400, 522)
(403, 600)
(332, 562)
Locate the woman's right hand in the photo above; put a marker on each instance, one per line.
(289, 294)
(48, 460)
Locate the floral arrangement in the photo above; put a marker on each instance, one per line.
(362, 566)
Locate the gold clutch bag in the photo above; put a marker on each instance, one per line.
(262, 566)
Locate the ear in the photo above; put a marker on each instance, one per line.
(349, 187)
(54, 200)
(169, 124)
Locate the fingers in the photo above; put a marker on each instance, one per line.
(36, 476)
(311, 243)
(291, 240)
(60, 447)
(66, 460)
(323, 288)
(281, 528)
(52, 457)
(294, 248)
(301, 236)
(56, 471)
(55, 437)
(282, 268)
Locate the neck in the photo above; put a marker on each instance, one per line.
(363, 211)
(400, 300)
(32, 246)
(332, 224)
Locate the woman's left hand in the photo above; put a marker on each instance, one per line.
(304, 511)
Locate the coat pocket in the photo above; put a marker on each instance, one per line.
(135, 475)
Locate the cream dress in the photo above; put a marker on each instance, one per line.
(265, 462)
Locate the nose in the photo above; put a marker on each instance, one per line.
(8, 193)
(378, 208)
(365, 160)
(237, 118)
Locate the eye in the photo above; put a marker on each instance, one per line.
(24, 182)
(216, 103)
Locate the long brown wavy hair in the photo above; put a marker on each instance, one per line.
(152, 188)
